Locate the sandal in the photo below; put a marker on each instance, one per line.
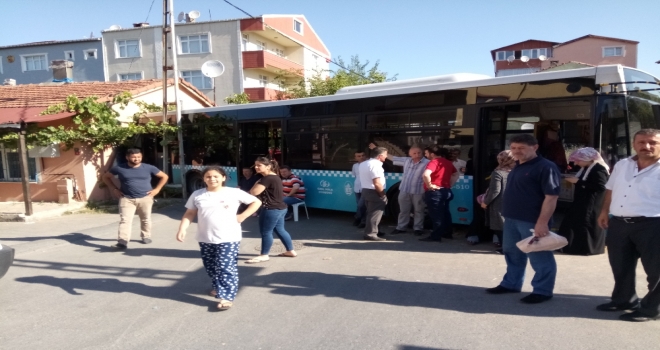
(260, 258)
(225, 305)
(288, 255)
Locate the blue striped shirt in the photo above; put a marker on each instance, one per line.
(412, 181)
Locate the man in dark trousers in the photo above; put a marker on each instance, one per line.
(632, 197)
(439, 176)
(528, 203)
(135, 195)
(372, 180)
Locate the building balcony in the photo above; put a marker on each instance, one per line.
(261, 94)
(271, 62)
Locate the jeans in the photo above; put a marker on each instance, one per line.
(437, 203)
(290, 201)
(128, 207)
(361, 212)
(273, 220)
(543, 263)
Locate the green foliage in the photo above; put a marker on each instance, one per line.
(357, 73)
(238, 99)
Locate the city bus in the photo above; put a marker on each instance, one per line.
(472, 115)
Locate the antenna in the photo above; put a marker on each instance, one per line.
(213, 68)
(543, 58)
(511, 58)
(114, 27)
(181, 17)
(524, 59)
(193, 15)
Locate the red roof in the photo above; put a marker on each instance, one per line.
(597, 37)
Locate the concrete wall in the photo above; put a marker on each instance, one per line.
(85, 68)
(590, 50)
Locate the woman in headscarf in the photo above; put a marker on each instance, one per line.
(580, 225)
(492, 201)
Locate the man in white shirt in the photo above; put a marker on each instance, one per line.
(372, 180)
(632, 199)
(459, 164)
(360, 213)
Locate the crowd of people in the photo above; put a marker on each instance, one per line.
(617, 210)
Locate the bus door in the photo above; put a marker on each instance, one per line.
(260, 139)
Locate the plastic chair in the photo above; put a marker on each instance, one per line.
(295, 210)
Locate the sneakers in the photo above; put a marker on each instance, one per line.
(119, 246)
(381, 234)
(372, 238)
(146, 240)
(612, 306)
(535, 298)
(637, 316)
(500, 290)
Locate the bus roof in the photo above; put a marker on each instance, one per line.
(438, 83)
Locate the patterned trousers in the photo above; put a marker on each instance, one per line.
(220, 261)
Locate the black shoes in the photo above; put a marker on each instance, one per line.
(361, 225)
(501, 290)
(637, 316)
(119, 246)
(429, 239)
(612, 306)
(397, 231)
(381, 234)
(356, 222)
(535, 298)
(372, 238)
(419, 232)
(146, 240)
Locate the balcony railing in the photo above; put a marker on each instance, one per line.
(271, 62)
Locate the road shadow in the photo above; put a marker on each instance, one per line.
(444, 296)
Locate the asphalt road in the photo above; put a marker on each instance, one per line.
(67, 290)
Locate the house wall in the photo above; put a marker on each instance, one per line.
(85, 68)
(155, 97)
(590, 50)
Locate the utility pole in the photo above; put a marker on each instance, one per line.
(166, 30)
(25, 174)
(175, 71)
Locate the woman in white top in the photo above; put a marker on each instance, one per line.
(218, 230)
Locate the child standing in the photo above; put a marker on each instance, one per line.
(218, 230)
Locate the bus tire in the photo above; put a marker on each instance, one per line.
(194, 181)
(392, 194)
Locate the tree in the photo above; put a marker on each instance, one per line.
(354, 73)
(238, 99)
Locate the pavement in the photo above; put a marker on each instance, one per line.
(15, 211)
(68, 290)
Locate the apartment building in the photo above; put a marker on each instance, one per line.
(257, 53)
(535, 55)
(31, 63)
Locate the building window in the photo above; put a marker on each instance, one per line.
(10, 169)
(69, 56)
(198, 80)
(263, 80)
(536, 53)
(128, 48)
(613, 51)
(34, 62)
(279, 52)
(194, 43)
(503, 55)
(91, 53)
(245, 39)
(130, 76)
(261, 45)
(1, 65)
(297, 26)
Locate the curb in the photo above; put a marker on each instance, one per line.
(21, 217)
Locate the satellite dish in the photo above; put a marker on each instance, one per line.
(511, 59)
(524, 58)
(213, 68)
(114, 27)
(193, 15)
(181, 17)
(543, 58)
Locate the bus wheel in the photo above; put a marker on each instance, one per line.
(392, 194)
(194, 181)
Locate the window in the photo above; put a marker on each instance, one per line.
(198, 80)
(91, 53)
(194, 44)
(263, 80)
(1, 65)
(261, 45)
(502, 55)
(34, 62)
(130, 76)
(245, 39)
(128, 48)
(68, 55)
(279, 52)
(613, 51)
(10, 169)
(297, 26)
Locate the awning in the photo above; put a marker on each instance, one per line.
(29, 115)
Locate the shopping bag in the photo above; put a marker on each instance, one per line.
(550, 242)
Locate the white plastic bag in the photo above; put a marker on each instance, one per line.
(550, 242)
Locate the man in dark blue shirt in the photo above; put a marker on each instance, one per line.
(135, 194)
(528, 203)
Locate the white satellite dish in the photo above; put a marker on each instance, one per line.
(213, 68)
(193, 15)
(543, 58)
(114, 27)
(181, 17)
(511, 59)
(524, 58)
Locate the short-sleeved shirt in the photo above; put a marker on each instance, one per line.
(272, 196)
(526, 187)
(634, 192)
(368, 171)
(412, 181)
(441, 171)
(289, 182)
(135, 182)
(357, 187)
(216, 214)
(459, 164)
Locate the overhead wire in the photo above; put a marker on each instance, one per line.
(146, 20)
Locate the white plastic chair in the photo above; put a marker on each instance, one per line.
(295, 210)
